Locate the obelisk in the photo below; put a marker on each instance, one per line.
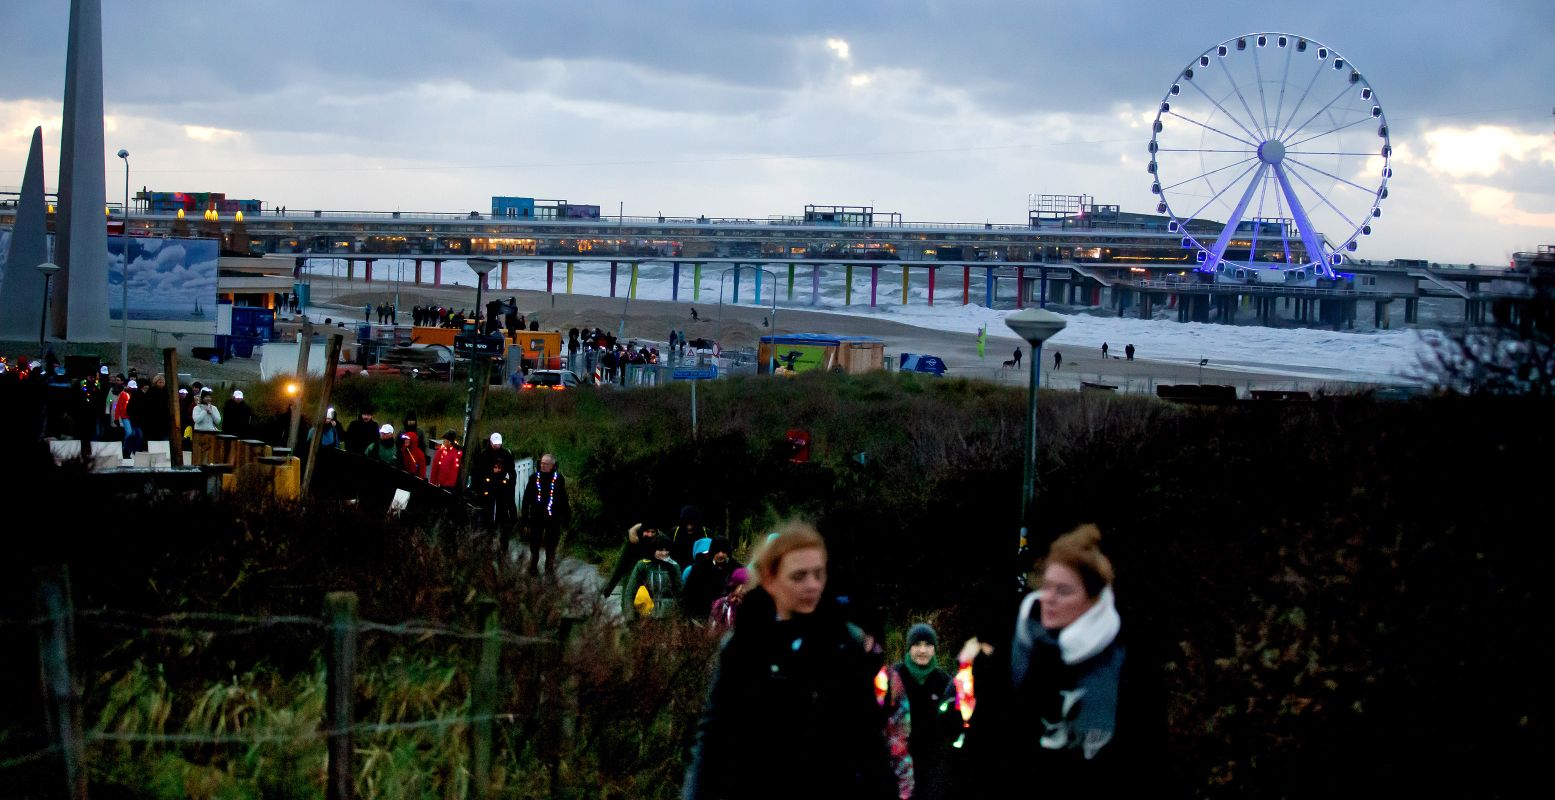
(80, 302)
(21, 288)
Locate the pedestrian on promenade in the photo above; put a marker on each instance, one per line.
(1058, 359)
(492, 474)
(545, 512)
(1129, 351)
(793, 692)
(1016, 359)
(1104, 351)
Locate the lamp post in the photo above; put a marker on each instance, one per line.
(124, 282)
(1036, 326)
(48, 268)
(482, 267)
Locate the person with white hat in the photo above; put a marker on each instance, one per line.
(493, 476)
(121, 416)
(205, 416)
(386, 449)
(238, 415)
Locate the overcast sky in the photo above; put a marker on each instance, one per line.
(943, 111)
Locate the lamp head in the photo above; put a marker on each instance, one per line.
(124, 154)
(482, 266)
(1035, 325)
(48, 268)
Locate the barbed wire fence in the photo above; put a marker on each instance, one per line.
(55, 622)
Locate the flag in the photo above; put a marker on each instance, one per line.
(982, 340)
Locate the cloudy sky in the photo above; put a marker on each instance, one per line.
(943, 111)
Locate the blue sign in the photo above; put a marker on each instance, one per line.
(933, 365)
(695, 373)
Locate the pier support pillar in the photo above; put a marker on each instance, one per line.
(675, 283)
(790, 283)
(1020, 287)
(631, 286)
(1042, 287)
(756, 275)
(815, 285)
(418, 272)
(613, 269)
(734, 296)
(437, 273)
(990, 285)
(368, 271)
(904, 283)
(1411, 310)
(966, 285)
(847, 285)
(350, 270)
(931, 285)
(874, 285)
(570, 266)
(696, 281)
(504, 266)
(550, 276)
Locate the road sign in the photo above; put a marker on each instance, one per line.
(695, 373)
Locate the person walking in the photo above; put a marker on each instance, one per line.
(1104, 351)
(653, 588)
(1016, 359)
(793, 692)
(1129, 351)
(237, 415)
(545, 512)
(935, 715)
(1058, 359)
(492, 475)
(385, 450)
(445, 463)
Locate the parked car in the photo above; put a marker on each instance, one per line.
(554, 379)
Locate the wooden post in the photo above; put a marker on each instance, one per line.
(175, 443)
(475, 402)
(483, 701)
(303, 345)
(340, 614)
(332, 361)
(564, 699)
(61, 693)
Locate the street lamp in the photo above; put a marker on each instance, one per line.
(124, 282)
(482, 267)
(48, 268)
(1036, 326)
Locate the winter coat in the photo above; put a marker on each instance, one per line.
(445, 466)
(936, 724)
(206, 417)
(707, 582)
(385, 451)
(545, 502)
(239, 418)
(661, 578)
(791, 712)
(492, 473)
(361, 435)
(412, 458)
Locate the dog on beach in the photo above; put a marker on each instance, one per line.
(1009, 364)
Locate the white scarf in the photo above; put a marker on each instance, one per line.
(1090, 633)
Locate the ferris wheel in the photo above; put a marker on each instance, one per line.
(1283, 138)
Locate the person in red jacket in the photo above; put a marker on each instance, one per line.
(445, 463)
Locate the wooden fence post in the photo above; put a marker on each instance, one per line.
(483, 701)
(340, 614)
(304, 343)
(332, 362)
(61, 693)
(565, 699)
(175, 443)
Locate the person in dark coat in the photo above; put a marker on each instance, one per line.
(492, 476)
(237, 417)
(546, 511)
(936, 717)
(362, 432)
(1088, 717)
(708, 578)
(640, 543)
(791, 711)
(686, 533)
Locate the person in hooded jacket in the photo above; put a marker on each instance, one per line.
(936, 718)
(413, 459)
(793, 695)
(640, 544)
(687, 533)
(708, 576)
(659, 578)
(362, 433)
(445, 463)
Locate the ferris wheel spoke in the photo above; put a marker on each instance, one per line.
(1279, 107)
(1328, 105)
(1325, 201)
(1207, 174)
(1263, 99)
(1232, 137)
(1223, 110)
(1328, 153)
(1328, 174)
(1263, 190)
(1325, 133)
(1216, 196)
(1252, 118)
(1299, 103)
(1200, 150)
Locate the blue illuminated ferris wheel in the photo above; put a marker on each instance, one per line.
(1284, 139)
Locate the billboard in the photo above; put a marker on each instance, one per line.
(171, 280)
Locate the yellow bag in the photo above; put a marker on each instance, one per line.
(643, 602)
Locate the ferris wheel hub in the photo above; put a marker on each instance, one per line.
(1271, 152)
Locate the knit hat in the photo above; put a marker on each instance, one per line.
(739, 576)
(922, 632)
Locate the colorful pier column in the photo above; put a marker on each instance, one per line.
(904, 283)
(790, 283)
(1020, 287)
(696, 281)
(815, 285)
(675, 284)
(612, 279)
(350, 270)
(418, 272)
(437, 273)
(759, 274)
(931, 285)
(1043, 272)
(504, 265)
(990, 285)
(966, 284)
(369, 271)
(847, 286)
(736, 294)
(631, 287)
(550, 276)
(874, 285)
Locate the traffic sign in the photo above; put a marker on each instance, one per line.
(695, 373)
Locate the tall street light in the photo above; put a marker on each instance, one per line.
(1036, 326)
(124, 283)
(482, 266)
(48, 268)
